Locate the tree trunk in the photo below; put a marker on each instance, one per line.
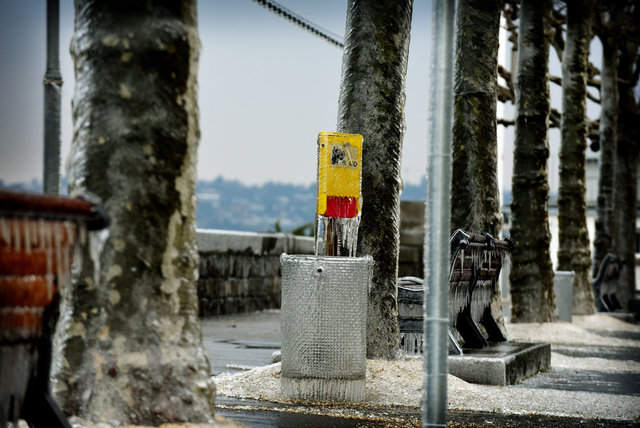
(603, 242)
(372, 104)
(133, 347)
(531, 272)
(573, 252)
(475, 199)
(626, 183)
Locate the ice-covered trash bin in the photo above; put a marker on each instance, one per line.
(323, 318)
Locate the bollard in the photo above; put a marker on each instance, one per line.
(563, 289)
(323, 321)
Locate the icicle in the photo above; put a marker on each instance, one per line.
(337, 227)
(46, 242)
(27, 236)
(412, 343)
(341, 231)
(317, 236)
(5, 231)
(70, 232)
(16, 234)
(57, 242)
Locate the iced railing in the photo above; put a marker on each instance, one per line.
(38, 237)
(38, 234)
(36, 261)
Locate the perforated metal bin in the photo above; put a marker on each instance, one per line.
(324, 319)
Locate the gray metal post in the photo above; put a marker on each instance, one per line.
(437, 213)
(52, 87)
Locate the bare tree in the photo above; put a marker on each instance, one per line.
(531, 272)
(574, 253)
(372, 104)
(133, 348)
(475, 200)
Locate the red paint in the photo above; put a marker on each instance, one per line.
(341, 207)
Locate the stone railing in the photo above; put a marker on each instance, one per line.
(240, 271)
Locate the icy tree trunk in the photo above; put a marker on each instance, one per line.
(475, 196)
(371, 103)
(603, 242)
(475, 201)
(574, 253)
(531, 270)
(626, 181)
(133, 347)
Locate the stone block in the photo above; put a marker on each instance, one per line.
(501, 364)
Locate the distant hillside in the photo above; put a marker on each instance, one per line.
(231, 205)
(225, 204)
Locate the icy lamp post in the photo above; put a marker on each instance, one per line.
(324, 296)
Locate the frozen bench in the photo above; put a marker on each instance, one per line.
(605, 284)
(475, 264)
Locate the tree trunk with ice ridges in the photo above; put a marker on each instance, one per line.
(371, 103)
(133, 349)
(573, 252)
(531, 274)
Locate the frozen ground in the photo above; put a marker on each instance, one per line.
(594, 381)
(583, 347)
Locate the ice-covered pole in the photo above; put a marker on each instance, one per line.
(436, 254)
(52, 86)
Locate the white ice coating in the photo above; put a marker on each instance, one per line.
(342, 230)
(412, 343)
(96, 244)
(473, 259)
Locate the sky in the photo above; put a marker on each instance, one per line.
(266, 88)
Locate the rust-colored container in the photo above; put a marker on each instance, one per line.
(38, 234)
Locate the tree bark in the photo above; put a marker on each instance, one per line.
(626, 180)
(603, 242)
(475, 202)
(372, 97)
(475, 199)
(531, 272)
(573, 252)
(133, 347)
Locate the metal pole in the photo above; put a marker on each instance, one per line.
(436, 254)
(52, 88)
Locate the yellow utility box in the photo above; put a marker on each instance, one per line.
(339, 174)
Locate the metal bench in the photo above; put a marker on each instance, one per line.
(605, 284)
(475, 264)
